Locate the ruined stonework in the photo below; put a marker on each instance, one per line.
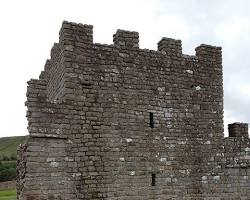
(116, 122)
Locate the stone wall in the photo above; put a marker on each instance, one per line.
(120, 122)
(7, 185)
(55, 74)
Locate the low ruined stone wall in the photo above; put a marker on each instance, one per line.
(7, 185)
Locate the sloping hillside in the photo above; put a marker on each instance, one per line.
(8, 147)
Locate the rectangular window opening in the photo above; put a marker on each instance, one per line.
(151, 120)
(153, 179)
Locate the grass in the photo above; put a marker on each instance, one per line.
(8, 146)
(9, 194)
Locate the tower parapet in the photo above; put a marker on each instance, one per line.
(238, 130)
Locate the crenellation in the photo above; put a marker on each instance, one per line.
(208, 54)
(72, 33)
(170, 46)
(119, 122)
(129, 39)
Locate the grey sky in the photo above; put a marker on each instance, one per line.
(29, 28)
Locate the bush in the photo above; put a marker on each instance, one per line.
(13, 157)
(8, 157)
(5, 158)
(7, 171)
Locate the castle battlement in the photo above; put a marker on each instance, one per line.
(120, 122)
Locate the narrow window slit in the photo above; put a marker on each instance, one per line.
(153, 179)
(151, 120)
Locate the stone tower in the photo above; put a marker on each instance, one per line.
(116, 122)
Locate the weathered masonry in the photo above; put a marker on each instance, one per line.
(116, 122)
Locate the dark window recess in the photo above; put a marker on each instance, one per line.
(151, 120)
(153, 179)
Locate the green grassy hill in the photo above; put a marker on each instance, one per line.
(8, 155)
(8, 147)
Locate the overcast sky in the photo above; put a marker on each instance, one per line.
(29, 28)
